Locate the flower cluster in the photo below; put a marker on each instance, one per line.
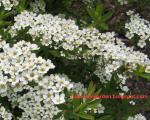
(19, 65)
(39, 103)
(118, 55)
(65, 35)
(35, 107)
(22, 71)
(139, 27)
(99, 109)
(38, 5)
(4, 114)
(54, 30)
(8, 4)
(137, 117)
(79, 88)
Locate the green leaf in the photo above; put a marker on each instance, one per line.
(54, 53)
(76, 102)
(67, 3)
(145, 75)
(81, 107)
(99, 10)
(107, 117)
(22, 3)
(140, 69)
(91, 12)
(63, 107)
(21, 6)
(91, 88)
(90, 85)
(96, 13)
(4, 23)
(107, 16)
(94, 103)
(85, 116)
(97, 92)
(70, 115)
(103, 26)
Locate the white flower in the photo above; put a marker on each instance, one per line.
(138, 26)
(123, 2)
(132, 102)
(4, 114)
(137, 117)
(125, 88)
(99, 109)
(37, 6)
(8, 4)
(58, 99)
(147, 69)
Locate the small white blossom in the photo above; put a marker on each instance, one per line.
(8, 4)
(137, 117)
(132, 102)
(58, 99)
(38, 5)
(4, 114)
(99, 109)
(123, 2)
(138, 26)
(147, 69)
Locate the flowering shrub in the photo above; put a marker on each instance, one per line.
(48, 55)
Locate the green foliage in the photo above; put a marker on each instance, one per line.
(22, 6)
(75, 108)
(140, 71)
(67, 3)
(99, 17)
(107, 117)
(3, 18)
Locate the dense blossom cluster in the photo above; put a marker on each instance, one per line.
(117, 55)
(36, 107)
(8, 4)
(139, 27)
(19, 65)
(137, 117)
(4, 114)
(54, 30)
(22, 71)
(57, 32)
